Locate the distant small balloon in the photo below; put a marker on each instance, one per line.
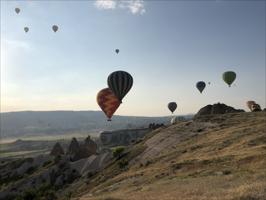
(55, 28)
(200, 86)
(172, 106)
(26, 29)
(209, 83)
(17, 10)
(117, 51)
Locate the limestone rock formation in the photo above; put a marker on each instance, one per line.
(57, 150)
(255, 107)
(122, 137)
(218, 108)
(78, 151)
(73, 147)
(90, 145)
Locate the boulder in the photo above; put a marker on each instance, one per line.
(57, 150)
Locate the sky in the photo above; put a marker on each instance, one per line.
(167, 46)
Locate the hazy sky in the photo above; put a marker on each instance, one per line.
(167, 46)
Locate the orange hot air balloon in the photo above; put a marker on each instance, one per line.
(108, 102)
(249, 104)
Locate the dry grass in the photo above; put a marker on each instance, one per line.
(219, 157)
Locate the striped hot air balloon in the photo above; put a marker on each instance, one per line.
(108, 102)
(120, 82)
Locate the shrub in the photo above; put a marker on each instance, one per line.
(47, 163)
(30, 170)
(123, 163)
(118, 152)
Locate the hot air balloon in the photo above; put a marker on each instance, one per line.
(249, 104)
(108, 102)
(117, 51)
(120, 82)
(17, 10)
(209, 83)
(26, 29)
(55, 28)
(201, 85)
(172, 106)
(229, 77)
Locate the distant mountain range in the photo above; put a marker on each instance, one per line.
(37, 123)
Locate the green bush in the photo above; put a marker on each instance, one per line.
(123, 163)
(45, 191)
(118, 152)
(29, 194)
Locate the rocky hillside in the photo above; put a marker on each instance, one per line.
(221, 156)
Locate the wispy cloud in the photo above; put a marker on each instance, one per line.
(105, 4)
(134, 6)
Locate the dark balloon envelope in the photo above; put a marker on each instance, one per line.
(229, 77)
(17, 10)
(117, 51)
(172, 106)
(201, 85)
(120, 82)
(55, 28)
(108, 102)
(26, 29)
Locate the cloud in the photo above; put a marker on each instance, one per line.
(105, 4)
(134, 6)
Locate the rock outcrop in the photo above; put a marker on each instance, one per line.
(78, 151)
(90, 145)
(57, 150)
(154, 126)
(122, 137)
(73, 147)
(218, 108)
(255, 107)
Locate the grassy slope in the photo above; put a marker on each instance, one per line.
(220, 157)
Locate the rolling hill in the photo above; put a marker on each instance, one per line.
(32, 123)
(221, 157)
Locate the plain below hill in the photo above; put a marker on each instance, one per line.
(219, 156)
(36, 123)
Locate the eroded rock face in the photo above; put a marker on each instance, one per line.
(73, 147)
(78, 151)
(122, 137)
(90, 145)
(255, 107)
(57, 150)
(218, 108)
